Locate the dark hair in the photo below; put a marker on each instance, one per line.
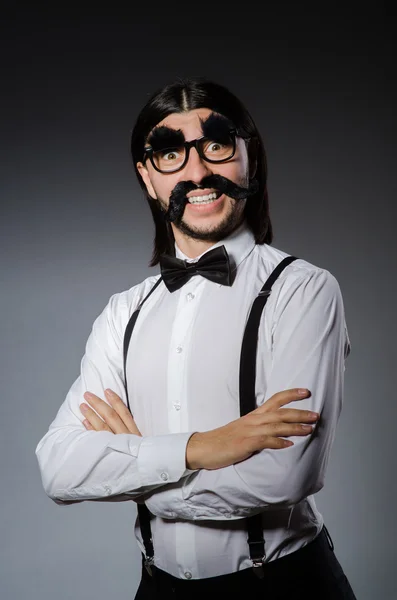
(187, 94)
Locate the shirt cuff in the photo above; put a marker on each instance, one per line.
(162, 458)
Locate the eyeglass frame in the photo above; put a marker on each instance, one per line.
(148, 152)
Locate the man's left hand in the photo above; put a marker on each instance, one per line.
(115, 418)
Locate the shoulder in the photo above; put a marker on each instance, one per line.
(300, 282)
(299, 270)
(304, 292)
(272, 256)
(131, 298)
(120, 306)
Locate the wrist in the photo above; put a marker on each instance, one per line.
(195, 451)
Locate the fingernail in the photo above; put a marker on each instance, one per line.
(109, 392)
(84, 407)
(302, 391)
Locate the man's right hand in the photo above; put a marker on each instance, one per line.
(262, 428)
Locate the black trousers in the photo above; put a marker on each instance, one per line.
(311, 573)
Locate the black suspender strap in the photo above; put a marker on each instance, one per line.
(144, 513)
(247, 404)
(250, 341)
(128, 333)
(255, 538)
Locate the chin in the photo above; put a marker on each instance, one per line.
(212, 229)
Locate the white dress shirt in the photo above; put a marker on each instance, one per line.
(183, 377)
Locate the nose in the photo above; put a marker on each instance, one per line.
(196, 168)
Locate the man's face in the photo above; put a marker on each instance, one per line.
(211, 221)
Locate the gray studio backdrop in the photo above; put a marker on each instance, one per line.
(75, 229)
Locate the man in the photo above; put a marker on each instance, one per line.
(181, 400)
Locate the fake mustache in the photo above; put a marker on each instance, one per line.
(178, 199)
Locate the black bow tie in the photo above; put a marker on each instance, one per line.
(214, 265)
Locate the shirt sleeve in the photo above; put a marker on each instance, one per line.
(309, 346)
(77, 464)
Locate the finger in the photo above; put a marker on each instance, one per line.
(97, 423)
(88, 425)
(286, 429)
(276, 443)
(287, 415)
(281, 398)
(122, 411)
(107, 413)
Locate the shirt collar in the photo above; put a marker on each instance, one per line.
(238, 245)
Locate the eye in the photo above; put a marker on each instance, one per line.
(168, 159)
(169, 155)
(214, 147)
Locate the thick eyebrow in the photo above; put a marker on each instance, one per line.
(216, 126)
(165, 137)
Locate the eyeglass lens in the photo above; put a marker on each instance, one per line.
(169, 159)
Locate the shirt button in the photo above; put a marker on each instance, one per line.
(179, 349)
(188, 575)
(108, 489)
(164, 476)
(177, 406)
(190, 296)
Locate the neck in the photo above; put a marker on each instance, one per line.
(190, 246)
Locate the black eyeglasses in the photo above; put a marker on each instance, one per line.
(170, 160)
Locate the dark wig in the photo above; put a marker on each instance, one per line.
(188, 94)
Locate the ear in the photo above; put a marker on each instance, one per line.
(144, 173)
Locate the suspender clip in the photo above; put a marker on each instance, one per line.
(258, 555)
(257, 565)
(149, 561)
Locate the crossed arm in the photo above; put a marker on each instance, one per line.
(77, 464)
(309, 348)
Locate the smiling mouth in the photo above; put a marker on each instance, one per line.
(205, 199)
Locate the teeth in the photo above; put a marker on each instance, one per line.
(203, 199)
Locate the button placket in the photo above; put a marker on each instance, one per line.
(181, 331)
(186, 309)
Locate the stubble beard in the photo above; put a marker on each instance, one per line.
(212, 233)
